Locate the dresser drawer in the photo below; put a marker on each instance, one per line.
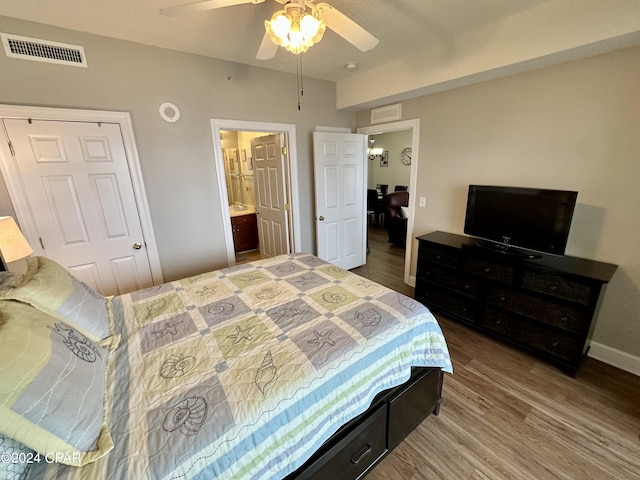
(549, 342)
(439, 255)
(450, 279)
(561, 316)
(487, 269)
(558, 287)
(446, 301)
(355, 453)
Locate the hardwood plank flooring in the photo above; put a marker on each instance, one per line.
(507, 415)
(248, 256)
(385, 262)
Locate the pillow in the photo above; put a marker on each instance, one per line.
(52, 386)
(14, 458)
(10, 280)
(405, 212)
(49, 287)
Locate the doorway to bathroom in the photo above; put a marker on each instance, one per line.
(256, 188)
(258, 185)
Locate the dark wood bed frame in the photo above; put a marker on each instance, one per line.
(363, 442)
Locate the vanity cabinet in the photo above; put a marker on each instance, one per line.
(245, 232)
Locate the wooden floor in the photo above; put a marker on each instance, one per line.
(385, 262)
(506, 415)
(248, 256)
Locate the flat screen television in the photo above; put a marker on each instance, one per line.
(528, 218)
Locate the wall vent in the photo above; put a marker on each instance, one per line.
(39, 50)
(386, 114)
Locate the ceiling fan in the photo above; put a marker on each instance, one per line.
(293, 27)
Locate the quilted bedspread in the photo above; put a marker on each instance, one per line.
(244, 372)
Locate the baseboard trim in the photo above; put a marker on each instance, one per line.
(616, 358)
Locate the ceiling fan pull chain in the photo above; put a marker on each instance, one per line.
(298, 79)
(301, 78)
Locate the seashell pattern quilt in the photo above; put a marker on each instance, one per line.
(244, 372)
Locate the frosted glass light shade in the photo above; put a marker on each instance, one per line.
(13, 245)
(295, 30)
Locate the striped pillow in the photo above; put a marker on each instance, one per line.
(52, 385)
(49, 287)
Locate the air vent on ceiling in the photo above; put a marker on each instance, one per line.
(39, 50)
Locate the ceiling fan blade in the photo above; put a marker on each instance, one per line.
(347, 28)
(200, 7)
(267, 49)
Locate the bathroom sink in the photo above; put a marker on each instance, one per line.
(237, 210)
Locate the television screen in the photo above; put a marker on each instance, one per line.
(530, 218)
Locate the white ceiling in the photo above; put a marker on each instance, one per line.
(404, 27)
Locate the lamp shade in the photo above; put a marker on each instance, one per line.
(13, 245)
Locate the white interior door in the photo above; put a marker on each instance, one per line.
(339, 160)
(79, 192)
(271, 201)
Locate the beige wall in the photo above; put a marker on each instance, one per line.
(574, 126)
(176, 159)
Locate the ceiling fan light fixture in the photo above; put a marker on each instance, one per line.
(311, 27)
(294, 29)
(278, 28)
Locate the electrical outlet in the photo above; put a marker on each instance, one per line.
(423, 202)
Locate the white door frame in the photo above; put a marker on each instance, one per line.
(19, 197)
(414, 126)
(292, 152)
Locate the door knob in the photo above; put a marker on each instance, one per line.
(137, 246)
(321, 218)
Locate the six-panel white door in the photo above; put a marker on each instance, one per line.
(273, 225)
(339, 160)
(80, 195)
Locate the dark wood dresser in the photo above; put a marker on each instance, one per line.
(546, 305)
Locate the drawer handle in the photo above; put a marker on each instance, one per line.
(553, 288)
(361, 454)
(487, 270)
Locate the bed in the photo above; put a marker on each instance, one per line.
(288, 367)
